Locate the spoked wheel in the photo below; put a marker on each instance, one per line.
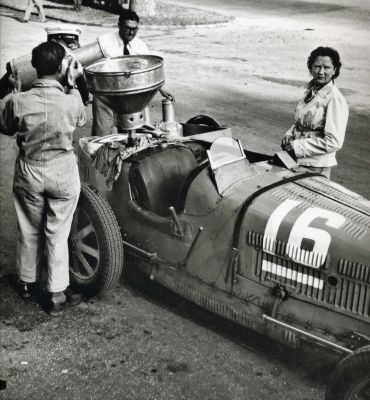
(350, 379)
(95, 243)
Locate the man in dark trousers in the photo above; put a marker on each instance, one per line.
(46, 179)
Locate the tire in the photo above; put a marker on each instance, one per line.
(350, 379)
(203, 120)
(95, 243)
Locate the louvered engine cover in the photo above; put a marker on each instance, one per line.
(312, 237)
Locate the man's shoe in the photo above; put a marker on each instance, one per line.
(72, 299)
(56, 309)
(26, 289)
(24, 21)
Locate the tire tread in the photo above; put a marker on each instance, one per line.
(110, 240)
(354, 366)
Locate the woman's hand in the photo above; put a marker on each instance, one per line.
(286, 143)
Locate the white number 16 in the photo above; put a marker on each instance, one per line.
(302, 230)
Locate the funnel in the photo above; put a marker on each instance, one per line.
(126, 85)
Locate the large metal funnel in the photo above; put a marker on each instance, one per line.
(126, 85)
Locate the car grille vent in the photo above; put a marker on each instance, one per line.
(280, 248)
(290, 337)
(356, 225)
(354, 270)
(306, 280)
(352, 294)
(338, 192)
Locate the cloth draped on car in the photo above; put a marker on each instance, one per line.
(107, 157)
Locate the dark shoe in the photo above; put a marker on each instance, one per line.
(56, 309)
(26, 289)
(73, 299)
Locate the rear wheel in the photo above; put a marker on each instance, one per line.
(203, 120)
(350, 379)
(95, 243)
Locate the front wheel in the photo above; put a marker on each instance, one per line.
(95, 243)
(350, 379)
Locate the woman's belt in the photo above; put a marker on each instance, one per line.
(303, 129)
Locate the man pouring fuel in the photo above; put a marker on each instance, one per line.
(46, 180)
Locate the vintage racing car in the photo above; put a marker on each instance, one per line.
(254, 238)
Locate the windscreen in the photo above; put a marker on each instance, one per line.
(225, 150)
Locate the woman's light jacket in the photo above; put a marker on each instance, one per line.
(320, 126)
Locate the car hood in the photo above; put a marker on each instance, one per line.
(312, 235)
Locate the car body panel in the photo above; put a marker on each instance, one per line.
(250, 239)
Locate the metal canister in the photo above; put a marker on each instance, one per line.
(168, 126)
(168, 110)
(22, 68)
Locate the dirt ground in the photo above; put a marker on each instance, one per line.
(143, 342)
(95, 14)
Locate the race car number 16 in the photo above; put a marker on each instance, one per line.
(302, 230)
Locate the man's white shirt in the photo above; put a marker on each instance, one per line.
(112, 45)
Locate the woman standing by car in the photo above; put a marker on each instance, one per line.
(321, 116)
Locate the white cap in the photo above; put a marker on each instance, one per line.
(63, 30)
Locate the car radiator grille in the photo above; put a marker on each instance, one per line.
(352, 294)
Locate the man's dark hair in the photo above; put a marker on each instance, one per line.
(323, 52)
(47, 57)
(127, 15)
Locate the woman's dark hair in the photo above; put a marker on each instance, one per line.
(127, 15)
(329, 52)
(47, 57)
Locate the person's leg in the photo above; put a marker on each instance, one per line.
(28, 11)
(63, 188)
(30, 208)
(77, 5)
(102, 118)
(41, 10)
